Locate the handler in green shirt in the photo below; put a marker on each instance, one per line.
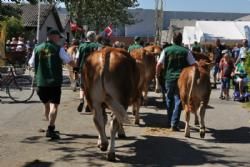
(85, 49)
(173, 59)
(47, 58)
(136, 44)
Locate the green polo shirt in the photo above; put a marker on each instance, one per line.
(48, 65)
(175, 61)
(85, 49)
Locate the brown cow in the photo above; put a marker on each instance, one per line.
(111, 78)
(72, 50)
(147, 58)
(156, 51)
(195, 89)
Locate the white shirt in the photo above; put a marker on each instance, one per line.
(190, 58)
(243, 52)
(63, 55)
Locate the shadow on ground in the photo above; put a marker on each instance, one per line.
(163, 151)
(157, 120)
(155, 103)
(38, 163)
(149, 151)
(240, 135)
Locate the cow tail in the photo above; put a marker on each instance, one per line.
(105, 61)
(191, 87)
(118, 110)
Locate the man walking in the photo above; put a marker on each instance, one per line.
(47, 58)
(173, 59)
(85, 49)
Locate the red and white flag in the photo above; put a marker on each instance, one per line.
(108, 30)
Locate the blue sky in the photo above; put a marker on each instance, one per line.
(235, 6)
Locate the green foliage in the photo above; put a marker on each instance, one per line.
(248, 63)
(9, 11)
(98, 14)
(14, 28)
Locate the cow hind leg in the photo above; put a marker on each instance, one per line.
(136, 111)
(157, 85)
(202, 110)
(119, 116)
(114, 127)
(196, 119)
(121, 132)
(100, 126)
(145, 96)
(187, 119)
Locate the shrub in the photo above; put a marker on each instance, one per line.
(14, 28)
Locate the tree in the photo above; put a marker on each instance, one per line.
(9, 11)
(97, 14)
(15, 27)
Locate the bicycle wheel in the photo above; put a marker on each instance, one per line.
(20, 88)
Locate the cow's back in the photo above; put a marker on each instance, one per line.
(148, 59)
(194, 86)
(113, 73)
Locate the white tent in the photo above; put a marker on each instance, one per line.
(226, 31)
(189, 36)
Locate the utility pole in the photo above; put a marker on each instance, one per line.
(158, 20)
(38, 22)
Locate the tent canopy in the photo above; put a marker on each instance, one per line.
(209, 31)
(189, 36)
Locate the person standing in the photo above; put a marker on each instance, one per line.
(217, 57)
(196, 47)
(243, 51)
(173, 59)
(236, 51)
(47, 58)
(227, 69)
(85, 49)
(136, 45)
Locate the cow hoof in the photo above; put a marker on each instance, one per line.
(157, 90)
(103, 146)
(137, 122)
(122, 136)
(187, 135)
(202, 135)
(111, 156)
(133, 112)
(196, 123)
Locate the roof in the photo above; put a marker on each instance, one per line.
(30, 13)
(64, 16)
(245, 18)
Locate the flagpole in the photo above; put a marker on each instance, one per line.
(38, 22)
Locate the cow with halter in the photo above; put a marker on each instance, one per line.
(194, 86)
(147, 59)
(111, 79)
(155, 51)
(72, 51)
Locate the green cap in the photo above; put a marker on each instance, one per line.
(137, 38)
(54, 32)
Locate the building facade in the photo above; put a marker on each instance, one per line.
(145, 21)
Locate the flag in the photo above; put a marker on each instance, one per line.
(73, 26)
(108, 31)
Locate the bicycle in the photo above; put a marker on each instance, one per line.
(20, 88)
